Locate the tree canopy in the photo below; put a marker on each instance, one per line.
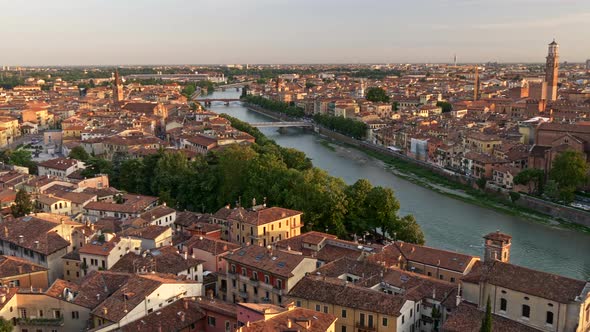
(376, 94)
(533, 178)
(346, 126)
(570, 171)
(275, 106)
(79, 153)
(264, 171)
(22, 204)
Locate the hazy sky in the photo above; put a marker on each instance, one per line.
(62, 32)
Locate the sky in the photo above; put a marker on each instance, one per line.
(126, 32)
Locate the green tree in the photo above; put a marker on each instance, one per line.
(377, 95)
(533, 178)
(570, 171)
(409, 230)
(79, 153)
(357, 208)
(551, 190)
(486, 322)
(22, 157)
(5, 325)
(97, 165)
(446, 106)
(22, 204)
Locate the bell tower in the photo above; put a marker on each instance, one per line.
(552, 70)
(497, 247)
(117, 87)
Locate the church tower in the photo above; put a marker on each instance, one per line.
(497, 247)
(551, 71)
(117, 87)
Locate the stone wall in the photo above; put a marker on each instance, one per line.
(555, 210)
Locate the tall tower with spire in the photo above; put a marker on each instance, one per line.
(551, 70)
(476, 84)
(117, 87)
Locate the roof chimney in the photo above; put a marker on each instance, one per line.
(105, 310)
(289, 323)
(185, 302)
(21, 239)
(458, 299)
(37, 244)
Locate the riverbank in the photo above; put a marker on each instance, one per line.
(427, 178)
(455, 186)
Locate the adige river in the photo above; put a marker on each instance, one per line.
(447, 223)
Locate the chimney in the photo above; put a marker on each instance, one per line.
(185, 255)
(105, 310)
(37, 244)
(458, 300)
(21, 239)
(185, 302)
(289, 323)
(20, 269)
(182, 316)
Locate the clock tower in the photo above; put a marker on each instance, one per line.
(551, 71)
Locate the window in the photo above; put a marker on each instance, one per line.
(343, 328)
(430, 274)
(75, 315)
(266, 279)
(298, 303)
(403, 319)
(41, 313)
(325, 309)
(362, 320)
(317, 307)
(452, 279)
(503, 304)
(211, 321)
(370, 320)
(384, 321)
(549, 318)
(56, 313)
(441, 277)
(227, 326)
(526, 311)
(411, 313)
(343, 313)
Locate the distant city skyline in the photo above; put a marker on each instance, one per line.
(133, 32)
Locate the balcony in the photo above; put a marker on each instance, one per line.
(254, 282)
(265, 285)
(41, 321)
(244, 278)
(278, 291)
(363, 327)
(243, 294)
(231, 275)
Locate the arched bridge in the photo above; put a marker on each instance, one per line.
(208, 101)
(281, 124)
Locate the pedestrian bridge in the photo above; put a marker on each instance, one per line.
(281, 124)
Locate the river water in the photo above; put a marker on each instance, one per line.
(447, 223)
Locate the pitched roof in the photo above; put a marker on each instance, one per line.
(293, 320)
(422, 254)
(260, 216)
(162, 260)
(177, 316)
(277, 262)
(466, 318)
(13, 266)
(339, 292)
(36, 232)
(542, 284)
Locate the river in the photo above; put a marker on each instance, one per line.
(447, 223)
